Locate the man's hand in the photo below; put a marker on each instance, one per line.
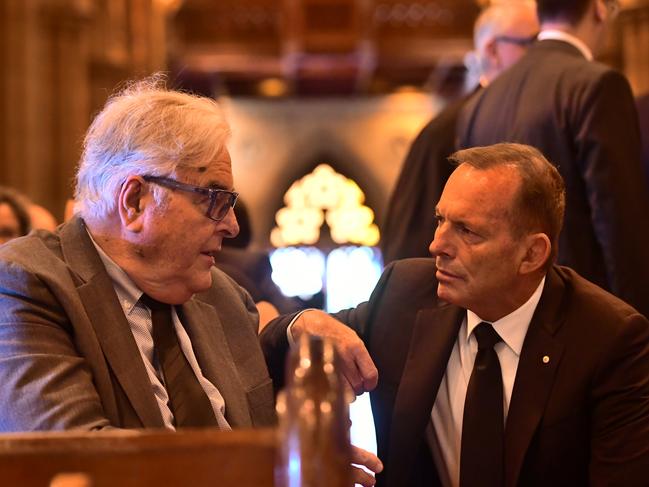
(358, 368)
(367, 460)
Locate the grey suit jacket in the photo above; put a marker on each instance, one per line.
(68, 359)
(582, 116)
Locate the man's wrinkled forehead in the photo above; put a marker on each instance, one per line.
(216, 173)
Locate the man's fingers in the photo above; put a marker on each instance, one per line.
(350, 371)
(350, 395)
(366, 459)
(360, 476)
(367, 369)
(358, 367)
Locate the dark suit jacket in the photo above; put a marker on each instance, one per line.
(642, 104)
(68, 359)
(410, 219)
(581, 115)
(580, 419)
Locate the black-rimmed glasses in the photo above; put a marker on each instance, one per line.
(221, 200)
(519, 41)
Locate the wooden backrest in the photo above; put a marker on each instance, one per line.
(196, 458)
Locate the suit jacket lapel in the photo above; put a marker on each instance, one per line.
(107, 318)
(215, 359)
(539, 361)
(430, 347)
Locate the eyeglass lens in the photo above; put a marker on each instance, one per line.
(222, 201)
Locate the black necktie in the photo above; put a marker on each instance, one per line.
(481, 460)
(188, 401)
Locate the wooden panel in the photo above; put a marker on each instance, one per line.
(198, 458)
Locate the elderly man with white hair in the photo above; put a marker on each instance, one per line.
(119, 319)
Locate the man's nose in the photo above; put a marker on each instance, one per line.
(439, 245)
(229, 226)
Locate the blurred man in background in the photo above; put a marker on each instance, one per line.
(581, 115)
(14, 217)
(502, 33)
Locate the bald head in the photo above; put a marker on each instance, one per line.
(502, 33)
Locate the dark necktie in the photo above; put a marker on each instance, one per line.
(188, 401)
(481, 459)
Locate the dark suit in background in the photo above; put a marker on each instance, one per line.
(409, 224)
(642, 104)
(581, 115)
(68, 359)
(580, 419)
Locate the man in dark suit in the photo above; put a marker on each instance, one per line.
(502, 33)
(570, 394)
(581, 115)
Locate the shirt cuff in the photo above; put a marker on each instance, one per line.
(289, 336)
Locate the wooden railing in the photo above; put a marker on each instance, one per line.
(309, 449)
(197, 458)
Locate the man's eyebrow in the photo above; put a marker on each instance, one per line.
(216, 185)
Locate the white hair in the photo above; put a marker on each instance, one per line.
(145, 129)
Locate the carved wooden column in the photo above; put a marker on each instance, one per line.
(65, 25)
(44, 101)
(61, 59)
(20, 84)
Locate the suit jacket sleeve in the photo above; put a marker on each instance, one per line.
(46, 385)
(620, 415)
(608, 151)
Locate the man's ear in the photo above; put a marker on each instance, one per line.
(490, 53)
(133, 197)
(538, 249)
(601, 10)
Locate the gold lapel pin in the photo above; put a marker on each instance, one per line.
(545, 359)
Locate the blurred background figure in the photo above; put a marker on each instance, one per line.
(68, 211)
(251, 269)
(14, 217)
(502, 33)
(642, 104)
(41, 218)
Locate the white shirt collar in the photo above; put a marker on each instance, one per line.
(559, 35)
(513, 327)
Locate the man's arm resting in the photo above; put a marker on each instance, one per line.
(358, 368)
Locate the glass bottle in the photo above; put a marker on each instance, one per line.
(314, 449)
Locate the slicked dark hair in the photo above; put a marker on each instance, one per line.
(571, 11)
(541, 201)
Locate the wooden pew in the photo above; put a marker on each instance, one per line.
(194, 458)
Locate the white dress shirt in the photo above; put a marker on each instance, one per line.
(448, 410)
(559, 35)
(139, 319)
